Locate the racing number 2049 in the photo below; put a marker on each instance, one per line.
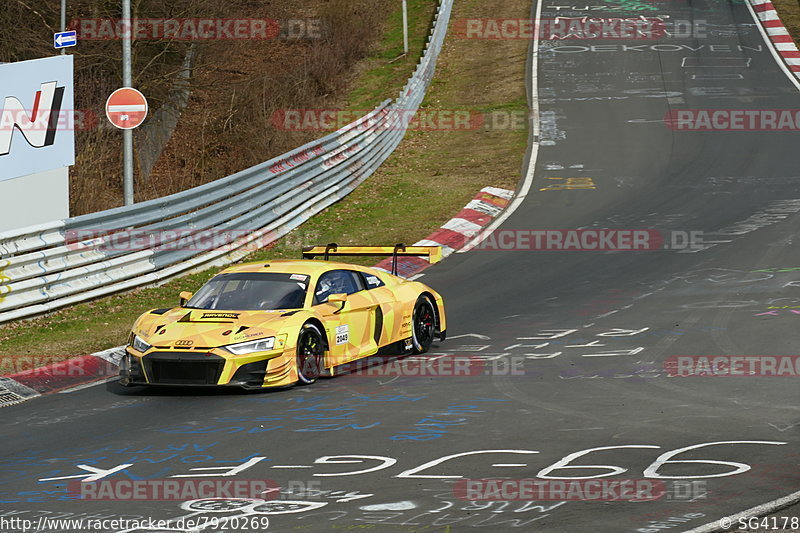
(730, 468)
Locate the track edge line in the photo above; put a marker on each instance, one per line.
(756, 511)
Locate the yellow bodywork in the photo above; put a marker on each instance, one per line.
(369, 321)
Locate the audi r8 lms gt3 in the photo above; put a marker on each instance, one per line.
(281, 323)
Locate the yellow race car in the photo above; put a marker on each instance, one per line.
(285, 322)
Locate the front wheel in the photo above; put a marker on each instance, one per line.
(310, 351)
(423, 325)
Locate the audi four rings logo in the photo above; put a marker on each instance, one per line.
(184, 343)
(39, 128)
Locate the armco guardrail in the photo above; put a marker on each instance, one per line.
(53, 265)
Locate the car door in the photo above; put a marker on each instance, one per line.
(391, 318)
(349, 330)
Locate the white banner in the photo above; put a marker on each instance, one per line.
(36, 116)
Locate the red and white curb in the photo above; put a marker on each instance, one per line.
(778, 34)
(457, 231)
(62, 376)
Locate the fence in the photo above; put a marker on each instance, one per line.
(49, 266)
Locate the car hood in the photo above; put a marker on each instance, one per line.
(198, 328)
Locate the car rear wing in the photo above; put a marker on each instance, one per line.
(433, 253)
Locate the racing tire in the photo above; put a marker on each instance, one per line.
(310, 353)
(423, 325)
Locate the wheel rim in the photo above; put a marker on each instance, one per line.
(309, 351)
(424, 324)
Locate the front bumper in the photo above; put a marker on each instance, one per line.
(208, 368)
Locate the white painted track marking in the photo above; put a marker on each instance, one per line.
(758, 510)
(81, 387)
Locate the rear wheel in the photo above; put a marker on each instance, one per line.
(423, 325)
(310, 351)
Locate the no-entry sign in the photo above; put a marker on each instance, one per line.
(126, 108)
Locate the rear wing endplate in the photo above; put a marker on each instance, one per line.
(433, 253)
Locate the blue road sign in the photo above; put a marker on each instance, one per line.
(65, 38)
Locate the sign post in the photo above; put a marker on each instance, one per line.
(126, 109)
(405, 27)
(127, 135)
(64, 22)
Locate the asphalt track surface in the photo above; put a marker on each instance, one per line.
(589, 331)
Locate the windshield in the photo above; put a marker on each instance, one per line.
(252, 291)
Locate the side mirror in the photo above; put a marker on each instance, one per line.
(338, 299)
(185, 297)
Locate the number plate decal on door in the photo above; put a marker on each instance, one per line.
(342, 334)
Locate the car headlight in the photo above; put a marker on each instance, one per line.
(260, 345)
(139, 345)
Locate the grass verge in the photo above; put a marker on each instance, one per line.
(789, 11)
(430, 177)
